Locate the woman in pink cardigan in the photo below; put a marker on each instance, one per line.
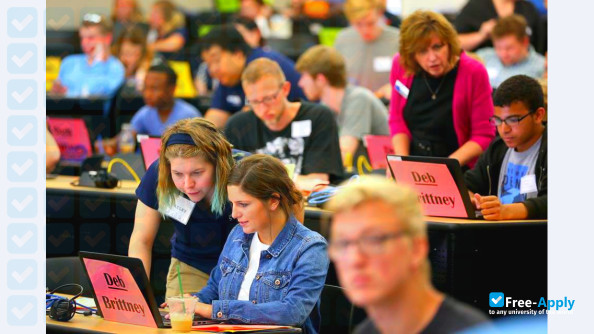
(441, 99)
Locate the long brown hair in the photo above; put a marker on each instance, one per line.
(210, 145)
(265, 177)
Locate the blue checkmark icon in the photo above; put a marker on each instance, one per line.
(496, 299)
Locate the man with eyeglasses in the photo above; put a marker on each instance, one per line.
(227, 54)
(379, 246)
(95, 72)
(509, 180)
(300, 133)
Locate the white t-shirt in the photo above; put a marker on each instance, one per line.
(256, 249)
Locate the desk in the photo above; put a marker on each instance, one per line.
(96, 324)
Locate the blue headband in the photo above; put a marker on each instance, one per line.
(180, 138)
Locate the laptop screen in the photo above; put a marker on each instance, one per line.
(116, 289)
(440, 193)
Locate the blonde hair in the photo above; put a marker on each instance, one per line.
(321, 59)
(415, 35)
(174, 19)
(356, 9)
(210, 145)
(403, 200)
(259, 68)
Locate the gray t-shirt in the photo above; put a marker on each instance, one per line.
(515, 166)
(362, 113)
(368, 64)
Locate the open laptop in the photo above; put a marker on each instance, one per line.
(439, 183)
(122, 291)
(150, 147)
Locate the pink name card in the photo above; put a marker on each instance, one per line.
(118, 294)
(72, 137)
(434, 184)
(151, 148)
(378, 147)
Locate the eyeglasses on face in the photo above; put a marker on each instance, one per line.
(510, 121)
(367, 245)
(267, 100)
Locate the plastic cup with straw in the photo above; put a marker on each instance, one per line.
(181, 315)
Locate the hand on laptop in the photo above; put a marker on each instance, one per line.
(490, 207)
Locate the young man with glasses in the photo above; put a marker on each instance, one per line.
(300, 133)
(379, 246)
(95, 72)
(509, 180)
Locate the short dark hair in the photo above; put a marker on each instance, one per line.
(227, 38)
(519, 88)
(163, 68)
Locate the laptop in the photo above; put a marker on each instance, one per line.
(122, 291)
(439, 183)
(150, 147)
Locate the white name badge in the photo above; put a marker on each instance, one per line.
(301, 129)
(528, 184)
(382, 64)
(401, 89)
(234, 100)
(182, 210)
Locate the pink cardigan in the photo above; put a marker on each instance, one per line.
(472, 104)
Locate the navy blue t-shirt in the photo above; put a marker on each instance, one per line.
(200, 242)
(232, 98)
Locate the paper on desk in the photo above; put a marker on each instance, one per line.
(89, 302)
(224, 328)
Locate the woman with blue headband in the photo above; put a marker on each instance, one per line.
(187, 185)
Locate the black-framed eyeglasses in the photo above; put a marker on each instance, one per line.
(510, 121)
(92, 18)
(267, 100)
(367, 245)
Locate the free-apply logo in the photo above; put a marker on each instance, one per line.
(496, 299)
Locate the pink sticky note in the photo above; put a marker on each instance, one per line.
(118, 294)
(72, 137)
(435, 185)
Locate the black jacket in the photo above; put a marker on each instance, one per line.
(484, 177)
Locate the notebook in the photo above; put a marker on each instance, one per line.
(122, 291)
(438, 182)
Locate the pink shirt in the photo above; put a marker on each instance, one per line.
(472, 104)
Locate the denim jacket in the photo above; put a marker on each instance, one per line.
(287, 285)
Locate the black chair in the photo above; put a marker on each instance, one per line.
(64, 270)
(337, 313)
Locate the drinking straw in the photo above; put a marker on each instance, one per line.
(181, 288)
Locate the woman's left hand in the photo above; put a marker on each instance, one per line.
(203, 310)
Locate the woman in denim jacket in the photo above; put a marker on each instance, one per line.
(272, 268)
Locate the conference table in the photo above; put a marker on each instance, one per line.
(469, 258)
